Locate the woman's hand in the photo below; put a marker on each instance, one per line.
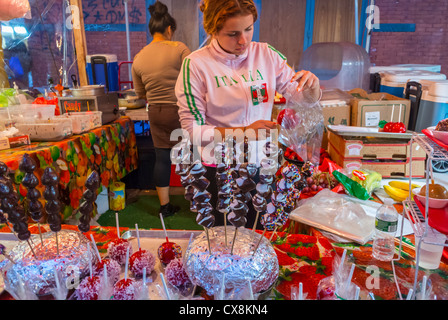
(307, 80)
(262, 124)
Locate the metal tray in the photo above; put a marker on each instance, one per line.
(377, 134)
(149, 240)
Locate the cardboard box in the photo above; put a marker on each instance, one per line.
(336, 110)
(13, 142)
(19, 141)
(388, 156)
(386, 167)
(4, 143)
(370, 148)
(367, 110)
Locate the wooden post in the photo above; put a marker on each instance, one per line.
(4, 83)
(80, 40)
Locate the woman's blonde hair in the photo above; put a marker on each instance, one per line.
(216, 12)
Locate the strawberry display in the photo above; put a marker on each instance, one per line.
(303, 259)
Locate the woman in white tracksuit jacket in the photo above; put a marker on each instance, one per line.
(231, 83)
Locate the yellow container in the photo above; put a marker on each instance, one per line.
(117, 199)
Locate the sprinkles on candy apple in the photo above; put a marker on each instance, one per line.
(176, 275)
(141, 260)
(126, 288)
(90, 286)
(117, 248)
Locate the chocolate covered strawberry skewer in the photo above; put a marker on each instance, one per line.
(52, 206)
(30, 181)
(88, 201)
(16, 213)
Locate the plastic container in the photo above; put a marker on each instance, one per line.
(55, 129)
(431, 249)
(28, 112)
(425, 67)
(103, 69)
(375, 75)
(394, 82)
(341, 65)
(433, 105)
(84, 121)
(117, 200)
(386, 223)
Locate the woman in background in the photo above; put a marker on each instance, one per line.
(230, 84)
(154, 71)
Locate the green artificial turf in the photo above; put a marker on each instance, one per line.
(145, 213)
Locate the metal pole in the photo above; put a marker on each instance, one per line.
(128, 44)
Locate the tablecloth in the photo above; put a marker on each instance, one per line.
(111, 150)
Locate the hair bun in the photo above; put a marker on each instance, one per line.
(158, 9)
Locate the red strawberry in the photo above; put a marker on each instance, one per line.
(284, 259)
(308, 269)
(325, 243)
(327, 263)
(313, 253)
(303, 238)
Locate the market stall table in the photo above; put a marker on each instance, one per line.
(111, 150)
(307, 259)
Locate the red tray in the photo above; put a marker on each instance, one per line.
(429, 134)
(438, 219)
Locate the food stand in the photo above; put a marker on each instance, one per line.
(57, 177)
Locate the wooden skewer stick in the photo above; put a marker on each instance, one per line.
(7, 256)
(272, 235)
(40, 235)
(255, 225)
(208, 241)
(32, 250)
(259, 240)
(225, 228)
(57, 242)
(233, 241)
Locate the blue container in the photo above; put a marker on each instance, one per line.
(103, 69)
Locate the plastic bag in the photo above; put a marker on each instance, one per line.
(339, 285)
(301, 125)
(12, 9)
(352, 187)
(368, 179)
(336, 213)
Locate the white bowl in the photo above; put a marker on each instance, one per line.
(432, 202)
(442, 136)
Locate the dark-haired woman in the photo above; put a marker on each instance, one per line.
(154, 71)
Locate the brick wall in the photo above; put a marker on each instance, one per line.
(427, 45)
(112, 13)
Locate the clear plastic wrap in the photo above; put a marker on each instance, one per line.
(301, 124)
(337, 214)
(38, 46)
(339, 285)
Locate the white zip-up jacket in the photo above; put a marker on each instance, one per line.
(219, 89)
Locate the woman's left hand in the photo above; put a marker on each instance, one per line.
(307, 80)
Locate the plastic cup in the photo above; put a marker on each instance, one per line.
(431, 253)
